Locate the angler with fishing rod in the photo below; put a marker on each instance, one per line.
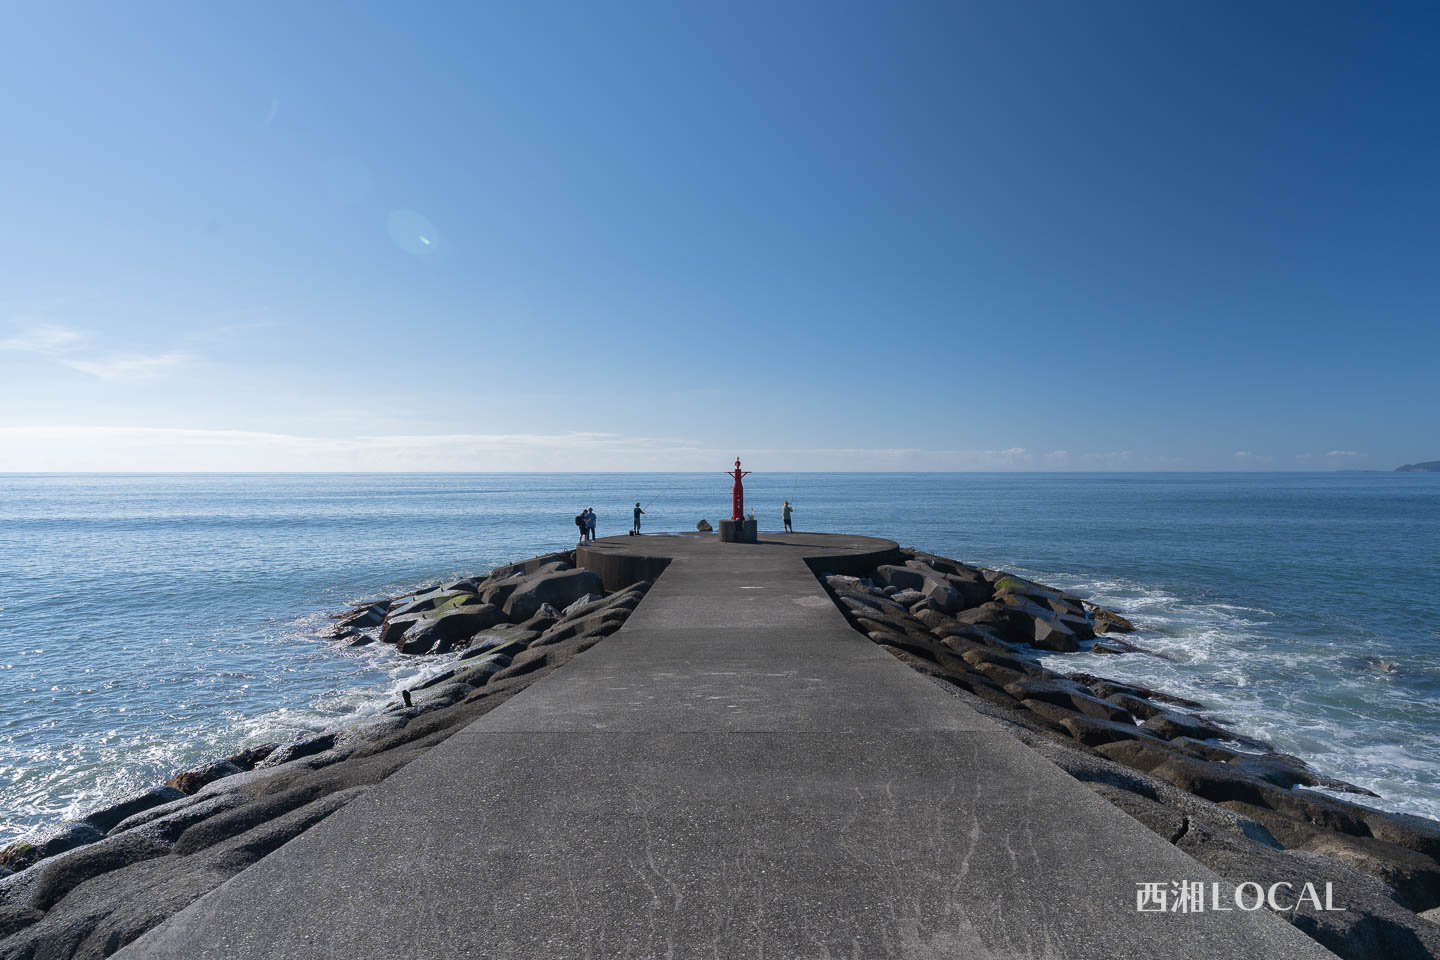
(640, 512)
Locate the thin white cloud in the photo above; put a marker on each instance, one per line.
(37, 448)
(1250, 460)
(1332, 459)
(65, 345)
(42, 338)
(127, 366)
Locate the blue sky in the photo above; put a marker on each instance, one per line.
(654, 236)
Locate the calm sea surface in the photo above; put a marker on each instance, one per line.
(150, 622)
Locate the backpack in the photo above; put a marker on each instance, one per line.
(580, 520)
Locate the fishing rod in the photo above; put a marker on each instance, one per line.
(794, 492)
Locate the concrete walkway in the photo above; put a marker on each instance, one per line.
(736, 773)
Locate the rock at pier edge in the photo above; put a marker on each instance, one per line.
(812, 745)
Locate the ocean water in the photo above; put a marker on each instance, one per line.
(151, 622)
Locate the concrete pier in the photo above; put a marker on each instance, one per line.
(736, 773)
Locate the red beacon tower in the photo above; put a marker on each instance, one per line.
(739, 491)
(737, 529)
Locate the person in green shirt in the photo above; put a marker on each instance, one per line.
(785, 511)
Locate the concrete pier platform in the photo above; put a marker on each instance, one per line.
(735, 773)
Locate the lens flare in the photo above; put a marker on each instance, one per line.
(413, 232)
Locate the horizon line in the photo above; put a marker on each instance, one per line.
(471, 473)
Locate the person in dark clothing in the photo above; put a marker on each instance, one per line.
(638, 514)
(785, 513)
(580, 522)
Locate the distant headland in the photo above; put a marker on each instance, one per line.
(1429, 466)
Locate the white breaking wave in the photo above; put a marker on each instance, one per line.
(1300, 694)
